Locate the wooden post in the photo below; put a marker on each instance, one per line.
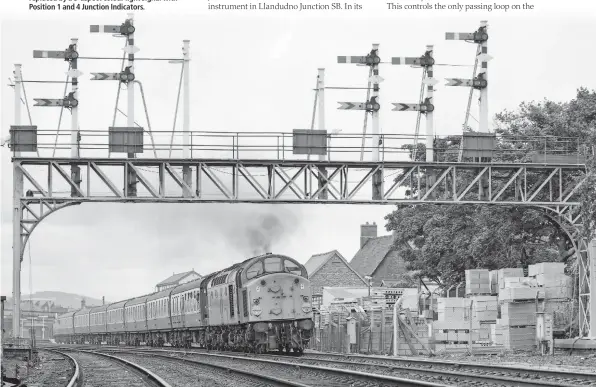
(382, 336)
(470, 336)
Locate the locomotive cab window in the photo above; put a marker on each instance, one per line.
(255, 270)
(272, 265)
(292, 268)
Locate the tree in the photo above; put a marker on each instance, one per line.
(440, 242)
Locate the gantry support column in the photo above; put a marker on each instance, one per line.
(17, 211)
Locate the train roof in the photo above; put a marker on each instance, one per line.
(116, 305)
(68, 314)
(157, 295)
(100, 308)
(82, 311)
(195, 284)
(137, 300)
(245, 263)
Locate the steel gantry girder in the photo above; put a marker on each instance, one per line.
(302, 181)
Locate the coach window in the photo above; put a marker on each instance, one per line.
(255, 270)
(272, 265)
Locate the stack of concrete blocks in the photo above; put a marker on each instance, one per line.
(516, 329)
(484, 313)
(497, 279)
(519, 288)
(478, 282)
(557, 287)
(453, 324)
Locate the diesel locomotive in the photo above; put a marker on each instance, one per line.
(258, 305)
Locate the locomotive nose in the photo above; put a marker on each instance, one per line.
(275, 288)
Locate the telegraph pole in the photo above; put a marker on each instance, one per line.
(186, 175)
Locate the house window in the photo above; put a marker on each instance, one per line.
(317, 299)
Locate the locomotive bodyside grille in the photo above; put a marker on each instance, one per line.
(245, 302)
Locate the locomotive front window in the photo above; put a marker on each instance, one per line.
(272, 265)
(255, 270)
(292, 268)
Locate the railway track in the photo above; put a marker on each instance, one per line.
(186, 372)
(291, 373)
(99, 369)
(488, 374)
(75, 380)
(432, 371)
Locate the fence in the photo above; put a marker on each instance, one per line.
(371, 332)
(281, 146)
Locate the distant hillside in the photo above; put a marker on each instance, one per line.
(67, 300)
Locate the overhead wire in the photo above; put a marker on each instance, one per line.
(28, 111)
(61, 112)
(314, 112)
(113, 58)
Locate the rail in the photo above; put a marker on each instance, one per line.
(339, 146)
(153, 378)
(355, 375)
(267, 378)
(77, 377)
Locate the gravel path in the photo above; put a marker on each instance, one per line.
(582, 362)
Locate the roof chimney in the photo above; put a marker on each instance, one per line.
(83, 303)
(103, 300)
(367, 231)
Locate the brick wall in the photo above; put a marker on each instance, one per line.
(334, 273)
(392, 267)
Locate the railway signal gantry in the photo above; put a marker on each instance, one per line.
(252, 167)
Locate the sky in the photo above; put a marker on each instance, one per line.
(256, 73)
